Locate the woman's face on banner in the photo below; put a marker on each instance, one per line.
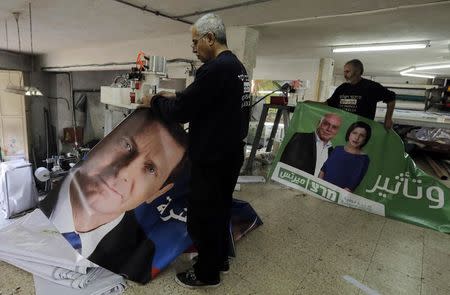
(128, 167)
(357, 137)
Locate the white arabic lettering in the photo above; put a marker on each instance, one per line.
(171, 214)
(440, 197)
(406, 194)
(433, 193)
(180, 217)
(385, 186)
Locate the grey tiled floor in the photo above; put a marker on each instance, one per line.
(307, 246)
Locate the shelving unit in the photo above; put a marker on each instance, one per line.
(414, 110)
(429, 95)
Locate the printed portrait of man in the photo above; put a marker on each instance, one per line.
(94, 205)
(309, 151)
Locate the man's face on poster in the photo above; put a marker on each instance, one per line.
(128, 167)
(328, 127)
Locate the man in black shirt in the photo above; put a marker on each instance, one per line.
(360, 96)
(217, 106)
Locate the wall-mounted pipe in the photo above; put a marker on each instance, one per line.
(65, 99)
(180, 18)
(59, 68)
(247, 3)
(155, 12)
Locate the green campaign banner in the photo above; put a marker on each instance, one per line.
(343, 158)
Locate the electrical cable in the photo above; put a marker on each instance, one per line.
(16, 16)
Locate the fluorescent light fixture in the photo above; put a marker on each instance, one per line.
(382, 47)
(408, 71)
(404, 72)
(433, 67)
(419, 75)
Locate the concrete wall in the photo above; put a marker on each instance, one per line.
(83, 82)
(302, 69)
(177, 46)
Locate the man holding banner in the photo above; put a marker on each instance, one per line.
(216, 105)
(360, 96)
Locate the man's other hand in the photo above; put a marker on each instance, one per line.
(147, 99)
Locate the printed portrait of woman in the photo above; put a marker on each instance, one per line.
(347, 165)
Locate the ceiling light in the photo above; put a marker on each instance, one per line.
(25, 90)
(33, 91)
(408, 71)
(382, 47)
(433, 67)
(419, 75)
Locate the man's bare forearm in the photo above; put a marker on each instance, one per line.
(389, 110)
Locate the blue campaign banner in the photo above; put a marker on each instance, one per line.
(164, 222)
(124, 206)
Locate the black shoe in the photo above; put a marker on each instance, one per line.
(225, 268)
(189, 280)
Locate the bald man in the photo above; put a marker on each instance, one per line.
(360, 96)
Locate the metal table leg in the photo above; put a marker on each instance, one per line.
(274, 130)
(286, 120)
(262, 120)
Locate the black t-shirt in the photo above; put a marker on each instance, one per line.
(360, 98)
(217, 106)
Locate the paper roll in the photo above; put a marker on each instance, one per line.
(42, 174)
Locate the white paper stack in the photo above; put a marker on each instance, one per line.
(17, 190)
(33, 244)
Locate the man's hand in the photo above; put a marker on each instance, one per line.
(147, 100)
(388, 123)
(167, 94)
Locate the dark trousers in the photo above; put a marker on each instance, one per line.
(208, 216)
